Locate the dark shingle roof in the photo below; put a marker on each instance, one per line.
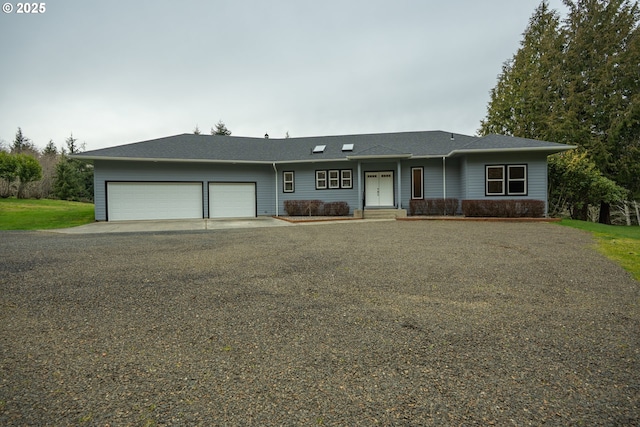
(215, 148)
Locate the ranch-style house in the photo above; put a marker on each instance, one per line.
(211, 176)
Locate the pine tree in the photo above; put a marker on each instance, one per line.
(22, 144)
(221, 129)
(577, 83)
(73, 177)
(602, 65)
(526, 100)
(50, 149)
(72, 145)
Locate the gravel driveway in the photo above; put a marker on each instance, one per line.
(385, 323)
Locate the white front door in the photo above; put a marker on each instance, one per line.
(379, 188)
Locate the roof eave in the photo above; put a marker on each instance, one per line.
(170, 160)
(549, 150)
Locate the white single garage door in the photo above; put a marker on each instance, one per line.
(232, 200)
(153, 200)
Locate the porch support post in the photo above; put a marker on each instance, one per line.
(399, 167)
(444, 178)
(360, 187)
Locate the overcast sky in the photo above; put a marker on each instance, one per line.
(114, 72)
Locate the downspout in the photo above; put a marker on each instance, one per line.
(444, 178)
(276, 172)
(399, 185)
(360, 195)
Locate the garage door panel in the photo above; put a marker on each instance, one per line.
(232, 200)
(153, 200)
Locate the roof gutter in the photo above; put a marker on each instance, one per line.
(172, 160)
(510, 150)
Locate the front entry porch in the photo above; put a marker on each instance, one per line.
(380, 213)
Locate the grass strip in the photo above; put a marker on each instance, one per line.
(41, 214)
(617, 242)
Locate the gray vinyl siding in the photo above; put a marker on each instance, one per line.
(465, 179)
(262, 175)
(305, 184)
(432, 179)
(474, 174)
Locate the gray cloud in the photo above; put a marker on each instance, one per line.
(118, 71)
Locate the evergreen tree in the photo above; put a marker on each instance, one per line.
(577, 83)
(221, 129)
(196, 131)
(68, 182)
(526, 100)
(602, 65)
(50, 149)
(22, 144)
(73, 177)
(72, 145)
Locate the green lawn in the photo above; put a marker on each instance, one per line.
(32, 214)
(619, 243)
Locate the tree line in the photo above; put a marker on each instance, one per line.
(576, 81)
(26, 172)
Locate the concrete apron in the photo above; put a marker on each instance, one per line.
(171, 225)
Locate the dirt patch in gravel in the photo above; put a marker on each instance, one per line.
(385, 323)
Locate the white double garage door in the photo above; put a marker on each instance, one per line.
(178, 200)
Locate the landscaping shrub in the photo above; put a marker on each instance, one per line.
(448, 206)
(315, 208)
(336, 209)
(503, 208)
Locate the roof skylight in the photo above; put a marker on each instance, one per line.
(319, 148)
(347, 147)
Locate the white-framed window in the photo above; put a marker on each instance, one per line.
(417, 180)
(509, 180)
(346, 178)
(334, 179)
(495, 180)
(321, 180)
(287, 182)
(517, 180)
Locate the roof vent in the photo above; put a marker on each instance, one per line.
(319, 148)
(266, 136)
(347, 147)
(452, 138)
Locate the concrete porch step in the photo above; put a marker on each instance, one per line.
(384, 213)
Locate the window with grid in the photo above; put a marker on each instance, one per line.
(287, 182)
(321, 180)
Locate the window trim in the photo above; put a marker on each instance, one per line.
(286, 181)
(333, 179)
(344, 179)
(487, 180)
(506, 179)
(319, 180)
(413, 183)
(524, 180)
